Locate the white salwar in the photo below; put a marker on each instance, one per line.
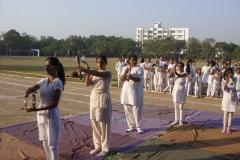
(229, 102)
(237, 77)
(205, 74)
(101, 112)
(198, 85)
(146, 75)
(132, 98)
(179, 96)
(118, 67)
(49, 121)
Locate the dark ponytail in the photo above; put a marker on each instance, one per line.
(61, 74)
(55, 62)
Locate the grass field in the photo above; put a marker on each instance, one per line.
(33, 67)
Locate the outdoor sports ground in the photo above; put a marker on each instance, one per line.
(198, 138)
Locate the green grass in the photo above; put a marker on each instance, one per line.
(33, 67)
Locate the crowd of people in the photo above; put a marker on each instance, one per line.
(165, 75)
(207, 80)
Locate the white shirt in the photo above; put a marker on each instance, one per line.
(132, 92)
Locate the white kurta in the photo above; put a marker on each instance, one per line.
(147, 72)
(101, 112)
(179, 90)
(119, 67)
(132, 92)
(49, 121)
(230, 99)
(205, 72)
(132, 98)
(199, 80)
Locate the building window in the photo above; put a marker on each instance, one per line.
(138, 32)
(179, 32)
(164, 31)
(145, 36)
(179, 36)
(150, 32)
(159, 32)
(172, 31)
(145, 31)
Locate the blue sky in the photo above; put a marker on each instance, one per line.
(218, 19)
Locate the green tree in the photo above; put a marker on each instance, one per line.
(193, 47)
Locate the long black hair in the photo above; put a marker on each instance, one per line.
(225, 74)
(188, 70)
(56, 63)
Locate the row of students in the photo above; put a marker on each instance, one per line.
(51, 88)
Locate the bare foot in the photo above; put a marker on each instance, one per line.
(223, 131)
(164, 92)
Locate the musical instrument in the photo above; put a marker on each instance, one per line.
(33, 101)
(78, 61)
(129, 71)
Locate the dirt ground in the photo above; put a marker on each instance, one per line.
(75, 100)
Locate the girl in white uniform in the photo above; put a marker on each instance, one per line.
(216, 83)
(205, 73)
(237, 77)
(210, 77)
(48, 113)
(161, 78)
(100, 104)
(229, 101)
(189, 71)
(132, 94)
(198, 83)
(179, 92)
(156, 70)
(147, 68)
(170, 82)
(118, 67)
(194, 72)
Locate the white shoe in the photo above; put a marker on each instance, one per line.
(102, 154)
(94, 151)
(130, 130)
(180, 123)
(140, 131)
(175, 122)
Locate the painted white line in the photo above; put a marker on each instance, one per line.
(75, 100)
(9, 112)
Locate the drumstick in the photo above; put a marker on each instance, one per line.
(129, 71)
(78, 61)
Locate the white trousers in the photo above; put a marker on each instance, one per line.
(160, 88)
(52, 152)
(214, 91)
(119, 81)
(188, 86)
(133, 116)
(101, 135)
(209, 89)
(146, 83)
(178, 107)
(198, 93)
(227, 119)
(170, 87)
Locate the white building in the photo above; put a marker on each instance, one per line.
(157, 32)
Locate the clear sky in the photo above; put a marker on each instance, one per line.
(218, 19)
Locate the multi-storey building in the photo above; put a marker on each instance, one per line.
(157, 32)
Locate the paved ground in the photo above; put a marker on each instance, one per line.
(76, 100)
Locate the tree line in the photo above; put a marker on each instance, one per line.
(112, 46)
